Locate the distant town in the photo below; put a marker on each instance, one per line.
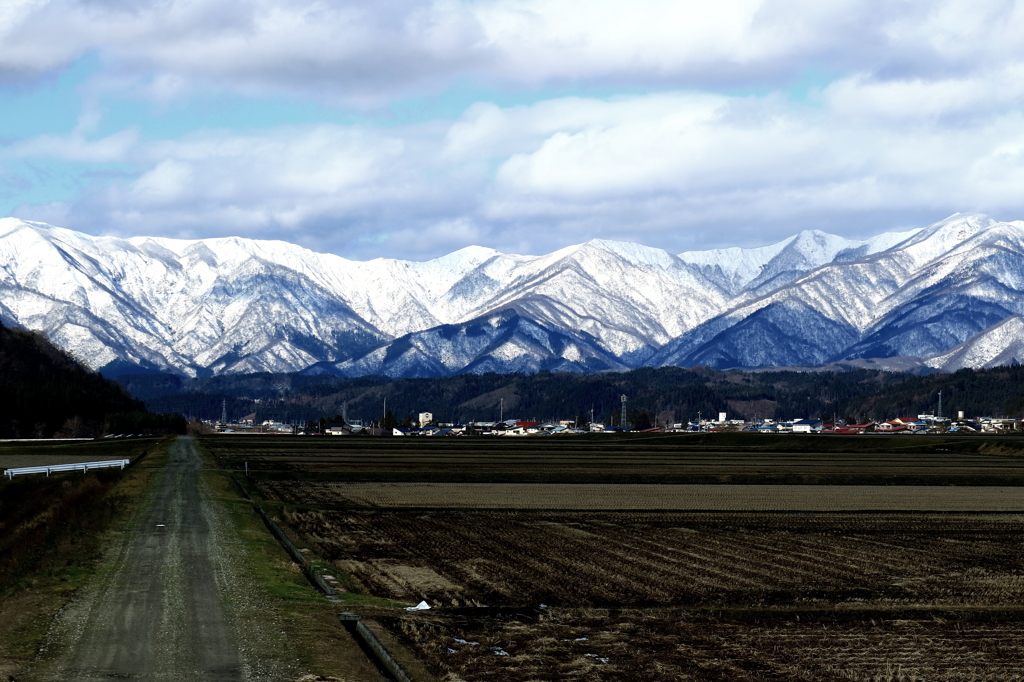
(427, 426)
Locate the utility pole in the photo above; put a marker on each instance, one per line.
(622, 421)
(940, 405)
(501, 411)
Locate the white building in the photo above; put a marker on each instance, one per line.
(426, 418)
(807, 426)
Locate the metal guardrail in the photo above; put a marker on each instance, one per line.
(43, 440)
(80, 466)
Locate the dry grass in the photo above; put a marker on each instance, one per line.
(650, 496)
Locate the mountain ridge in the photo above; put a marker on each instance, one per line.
(234, 305)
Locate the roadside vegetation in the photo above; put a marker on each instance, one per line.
(54, 530)
(310, 633)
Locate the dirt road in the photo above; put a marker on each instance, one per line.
(159, 615)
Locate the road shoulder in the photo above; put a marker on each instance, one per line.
(29, 606)
(282, 617)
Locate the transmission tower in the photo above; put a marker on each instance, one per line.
(940, 405)
(622, 422)
(223, 411)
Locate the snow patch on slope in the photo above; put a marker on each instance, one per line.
(741, 268)
(1000, 344)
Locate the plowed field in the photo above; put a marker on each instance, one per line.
(627, 496)
(649, 647)
(636, 559)
(671, 559)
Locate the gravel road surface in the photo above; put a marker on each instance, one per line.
(159, 615)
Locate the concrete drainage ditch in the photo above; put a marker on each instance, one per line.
(372, 646)
(367, 641)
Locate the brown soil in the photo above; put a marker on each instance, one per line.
(648, 647)
(633, 559)
(545, 582)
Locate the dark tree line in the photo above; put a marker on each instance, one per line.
(667, 394)
(46, 392)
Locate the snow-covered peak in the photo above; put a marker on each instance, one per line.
(729, 258)
(887, 240)
(813, 248)
(997, 235)
(742, 267)
(234, 304)
(803, 252)
(945, 235)
(436, 277)
(738, 264)
(1000, 344)
(10, 225)
(455, 264)
(638, 254)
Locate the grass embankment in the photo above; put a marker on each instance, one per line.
(54, 531)
(311, 632)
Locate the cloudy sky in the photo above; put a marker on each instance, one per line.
(410, 129)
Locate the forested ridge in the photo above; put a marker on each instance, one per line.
(667, 394)
(46, 392)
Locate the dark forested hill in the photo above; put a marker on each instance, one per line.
(667, 394)
(44, 391)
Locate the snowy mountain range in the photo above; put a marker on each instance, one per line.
(948, 295)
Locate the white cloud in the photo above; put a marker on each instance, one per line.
(877, 116)
(348, 52)
(665, 39)
(701, 161)
(663, 169)
(921, 99)
(913, 111)
(283, 179)
(76, 147)
(369, 52)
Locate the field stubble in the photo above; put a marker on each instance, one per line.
(691, 596)
(601, 645)
(584, 582)
(636, 559)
